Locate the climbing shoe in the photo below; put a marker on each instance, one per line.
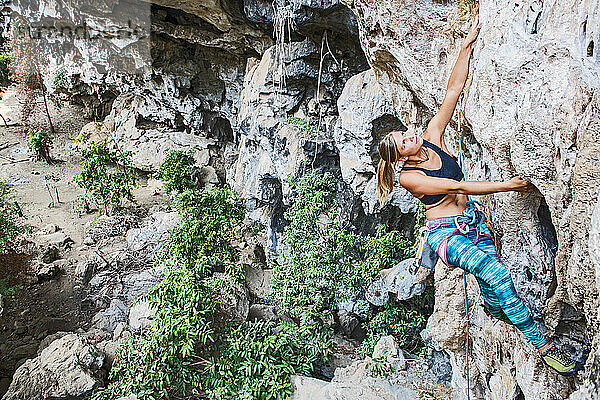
(560, 361)
(502, 317)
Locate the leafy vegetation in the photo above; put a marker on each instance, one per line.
(193, 350)
(11, 222)
(60, 87)
(176, 170)
(302, 125)
(424, 392)
(166, 362)
(258, 358)
(8, 290)
(5, 57)
(402, 319)
(327, 263)
(379, 367)
(40, 142)
(107, 176)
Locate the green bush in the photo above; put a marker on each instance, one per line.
(4, 70)
(379, 367)
(402, 319)
(424, 392)
(60, 87)
(326, 263)
(166, 362)
(40, 142)
(9, 290)
(11, 223)
(175, 172)
(107, 176)
(257, 359)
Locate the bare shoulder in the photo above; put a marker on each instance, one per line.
(433, 135)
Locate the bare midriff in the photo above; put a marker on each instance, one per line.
(451, 205)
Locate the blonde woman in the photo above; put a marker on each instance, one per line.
(457, 230)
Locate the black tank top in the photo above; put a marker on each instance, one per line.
(449, 169)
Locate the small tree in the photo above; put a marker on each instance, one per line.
(5, 59)
(107, 176)
(176, 170)
(27, 69)
(40, 142)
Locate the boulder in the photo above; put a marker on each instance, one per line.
(153, 231)
(47, 272)
(404, 280)
(58, 239)
(49, 253)
(355, 382)
(108, 319)
(141, 316)
(70, 367)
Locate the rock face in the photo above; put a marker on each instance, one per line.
(70, 367)
(532, 110)
(366, 114)
(207, 74)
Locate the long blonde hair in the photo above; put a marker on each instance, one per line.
(386, 167)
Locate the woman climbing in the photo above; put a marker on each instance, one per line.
(457, 231)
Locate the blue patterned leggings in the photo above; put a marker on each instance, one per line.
(475, 252)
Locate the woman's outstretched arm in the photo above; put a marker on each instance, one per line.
(456, 83)
(419, 185)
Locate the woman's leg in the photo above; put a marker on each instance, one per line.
(462, 252)
(490, 300)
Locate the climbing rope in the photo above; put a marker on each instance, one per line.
(460, 161)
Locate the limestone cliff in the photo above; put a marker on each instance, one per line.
(217, 75)
(532, 110)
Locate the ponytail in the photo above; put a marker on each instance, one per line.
(385, 169)
(385, 180)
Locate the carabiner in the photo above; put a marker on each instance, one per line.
(464, 229)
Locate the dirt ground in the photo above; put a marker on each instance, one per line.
(40, 309)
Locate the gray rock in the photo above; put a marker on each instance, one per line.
(48, 340)
(235, 302)
(70, 367)
(363, 108)
(258, 280)
(50, 228)
(350, 324)
(49, 254)
(84, 271)
(108, 319)
(404, 280)
(155, 230)
(47, 272)
(109, 349)
(119, 329)
(141, 316)
(59, 239)
(350, 383)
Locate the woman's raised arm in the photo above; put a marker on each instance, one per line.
(456, 83)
